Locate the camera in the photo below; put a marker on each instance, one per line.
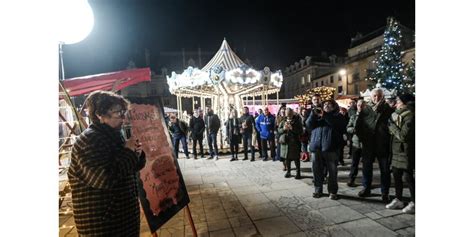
(127, 131)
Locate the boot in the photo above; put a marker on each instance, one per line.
(284, 166)
(298, 171)
(288, 168)
(351, 183)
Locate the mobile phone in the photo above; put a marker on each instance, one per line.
(127, 129)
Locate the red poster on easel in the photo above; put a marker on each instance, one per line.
(161, 186)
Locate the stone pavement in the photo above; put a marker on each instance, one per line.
(244, 198)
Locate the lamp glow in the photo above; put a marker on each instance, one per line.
(75, 22)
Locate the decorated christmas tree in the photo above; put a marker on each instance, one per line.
(408, 85)
(388, 62)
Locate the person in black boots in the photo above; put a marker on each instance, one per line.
(372, 130)
(355, 143)
(197, 126)
(248, 123)
(327, 127)
(179, 129)
(290, 131)
(233, 128)
(213, 124)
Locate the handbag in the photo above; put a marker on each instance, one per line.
(282, 139)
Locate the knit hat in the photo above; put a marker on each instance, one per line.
(405, 98)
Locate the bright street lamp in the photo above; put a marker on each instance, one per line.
(76, 21)
(343, 72)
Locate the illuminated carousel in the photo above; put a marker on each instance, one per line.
(226, 81)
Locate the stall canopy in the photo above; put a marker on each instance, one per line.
(106, 81)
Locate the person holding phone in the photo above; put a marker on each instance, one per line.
(104, 171)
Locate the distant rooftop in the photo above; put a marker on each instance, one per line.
(358, 40)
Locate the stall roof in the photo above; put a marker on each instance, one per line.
(106, 81)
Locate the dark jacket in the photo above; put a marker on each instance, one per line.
(351, 131)
(352, 111)
(402, 129)
(213, 123)
(103, 178)
(197, 127)
(233, 127)
(266, 126)
(179, 128)
(326, 131)
(372, 128)
(249, 122)
(292, 148)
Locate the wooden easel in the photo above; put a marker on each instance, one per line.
(187, 212)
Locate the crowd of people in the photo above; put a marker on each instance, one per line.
(381, 129)
(104, 165)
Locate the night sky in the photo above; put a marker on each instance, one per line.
(269, 33)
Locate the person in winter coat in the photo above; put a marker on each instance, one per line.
(345, 115)
(327, 127)
(179, 129)
(234, 137)
(402, 129)
(355, 143)
(266, 127)
(290, 131)
(248, 124)
(280, 117)
(213, 124)
(304, 138)
(257, 134)
(197, 126)
(372, 130)
(104, 170)
(351, 111)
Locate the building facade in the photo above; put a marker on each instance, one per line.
(308, 73)
(362, 52)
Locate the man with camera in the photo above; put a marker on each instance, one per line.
(327, 127)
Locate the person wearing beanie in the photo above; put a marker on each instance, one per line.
(402, 129)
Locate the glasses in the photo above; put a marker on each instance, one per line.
(121, 113)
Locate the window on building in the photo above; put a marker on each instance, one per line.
(316, 84)
(309, 78)
(339, 78)
(302, 80)
(339, 89)
(322, 83)
(332, 79)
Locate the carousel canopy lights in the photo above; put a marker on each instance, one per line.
(226, 68)
(76, 20)
(227, 79)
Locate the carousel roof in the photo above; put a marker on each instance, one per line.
(225, 58)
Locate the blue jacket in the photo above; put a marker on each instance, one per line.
(265, 126)
(326, 131)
